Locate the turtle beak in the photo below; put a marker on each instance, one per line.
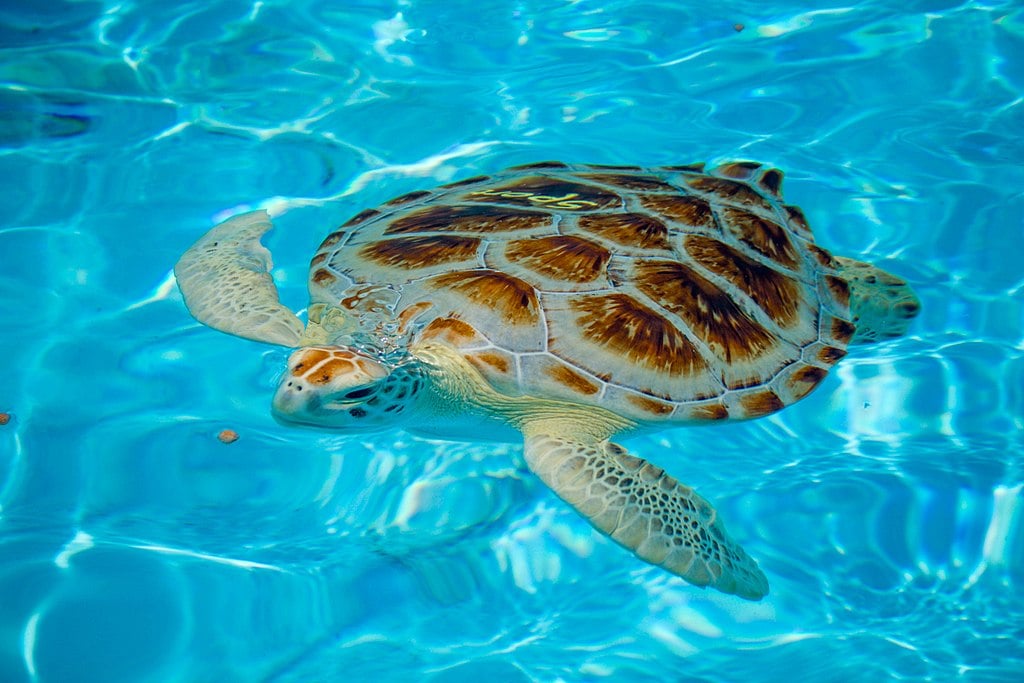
(292, 400)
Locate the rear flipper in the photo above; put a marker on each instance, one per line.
(645, 510)
(882, 304)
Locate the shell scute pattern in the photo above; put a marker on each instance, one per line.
(673, 293)
(633, 233)
(468, 219)
(691, 211)
(762, 235)
(558, 193)
(732, 335)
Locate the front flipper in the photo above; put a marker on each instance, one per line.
(644, 509)
(225, 279)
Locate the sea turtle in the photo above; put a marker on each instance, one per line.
(564, 305)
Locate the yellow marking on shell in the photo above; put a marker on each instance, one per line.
(472, 219)
(549, 192)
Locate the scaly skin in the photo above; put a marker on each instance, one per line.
(882, 304)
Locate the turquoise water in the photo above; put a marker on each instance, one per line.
(886, 509)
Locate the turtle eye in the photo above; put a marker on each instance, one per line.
(362, 392)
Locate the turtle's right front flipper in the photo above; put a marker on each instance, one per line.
(644, 509)
(225, 279)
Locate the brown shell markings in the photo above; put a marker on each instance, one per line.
(672, 293)
(471, 219)
(572, 379)
(418, 251)
(514, 300)
(708, 311)
(632, 230)
(768, 179)
(452, 331)
(693, 211)
(641, 335)
(631, 181)
(763, 236)
(560, 257)
(546, 191)
(730, 190)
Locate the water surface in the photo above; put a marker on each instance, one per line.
(134, 546)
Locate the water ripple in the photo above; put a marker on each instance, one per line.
(134, 545)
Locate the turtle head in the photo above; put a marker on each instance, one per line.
(339, 387)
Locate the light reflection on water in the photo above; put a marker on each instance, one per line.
(135, 546)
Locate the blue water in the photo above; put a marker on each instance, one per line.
(886, 509)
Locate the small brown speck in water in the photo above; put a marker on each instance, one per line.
(228, 436)
(4, 418)
(738, 27)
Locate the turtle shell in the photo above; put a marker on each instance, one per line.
(663, 294)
